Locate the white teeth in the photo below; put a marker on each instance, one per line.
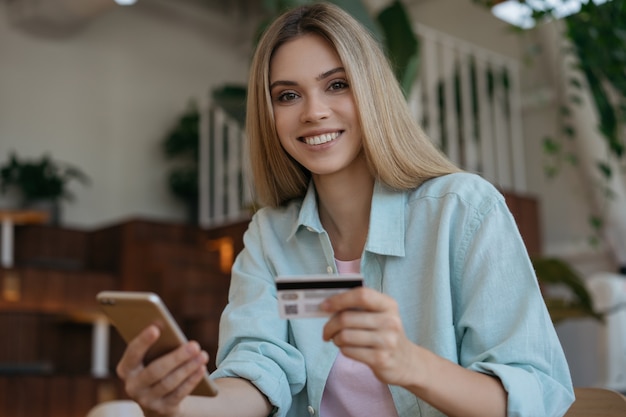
(318, 140)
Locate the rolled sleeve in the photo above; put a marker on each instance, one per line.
(253, 339)
(503, 325)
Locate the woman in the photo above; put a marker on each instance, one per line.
(450, 320)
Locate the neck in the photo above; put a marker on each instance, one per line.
(344, 203)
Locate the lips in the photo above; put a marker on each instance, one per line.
(320, 139)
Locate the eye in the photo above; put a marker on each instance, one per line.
(338, 85)
(286, 96)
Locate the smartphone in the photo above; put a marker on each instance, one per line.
(131, 312)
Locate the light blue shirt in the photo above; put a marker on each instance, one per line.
(448, 252)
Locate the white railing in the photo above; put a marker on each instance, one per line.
(467, 99)
(225, 192)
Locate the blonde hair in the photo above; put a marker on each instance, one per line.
(398, 152)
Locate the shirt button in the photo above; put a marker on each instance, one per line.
(311, 410)
(309, 228)
(330, 269)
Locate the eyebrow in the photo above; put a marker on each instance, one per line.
(320, 77)
(329, 73)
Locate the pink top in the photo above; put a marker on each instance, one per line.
(352, 389)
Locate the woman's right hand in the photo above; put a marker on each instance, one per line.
(160, 386)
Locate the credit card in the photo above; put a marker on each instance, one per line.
(300, 296)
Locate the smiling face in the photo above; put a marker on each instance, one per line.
(314, 110)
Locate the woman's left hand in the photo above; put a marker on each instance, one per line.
(366, 326)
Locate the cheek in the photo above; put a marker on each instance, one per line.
(284, 143)
(349, 107)
(284, 124)
(281, 129)
(279, 121)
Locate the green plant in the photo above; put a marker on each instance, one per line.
(597, 34)
(39, 179)
(598, 40)
(232, 99)
(553, 271)
(182, 145)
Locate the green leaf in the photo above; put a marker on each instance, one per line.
(569, 131)
(596, 222)
(37, 179)
(575, 82)
(551, 146)
(401, 43)
(576, 99)
(357, 9)
(572, 159)
(550, 171)
(410, 74)
(556, 271)
(232, 99)
(183, 138)
(605, 169)
(184, 183)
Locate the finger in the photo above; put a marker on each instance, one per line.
(345, 320)
(362, 339)
(358, 299)
(372, 328)
(361, 354)
(168, 405)
(133, 357)
(188, 379)
(175, 378)
(164, 375)
(164, 365)
(376, 337)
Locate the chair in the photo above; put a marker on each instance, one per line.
(116, 408)
(597, 402)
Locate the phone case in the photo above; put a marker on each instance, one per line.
(131, 312)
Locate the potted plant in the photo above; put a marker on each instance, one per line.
(181, 144)
(41, 183)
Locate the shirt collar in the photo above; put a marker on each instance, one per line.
(387, 219)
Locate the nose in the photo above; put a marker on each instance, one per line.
(314, 108)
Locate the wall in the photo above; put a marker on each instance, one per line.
(465, 20)
(104, 98)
